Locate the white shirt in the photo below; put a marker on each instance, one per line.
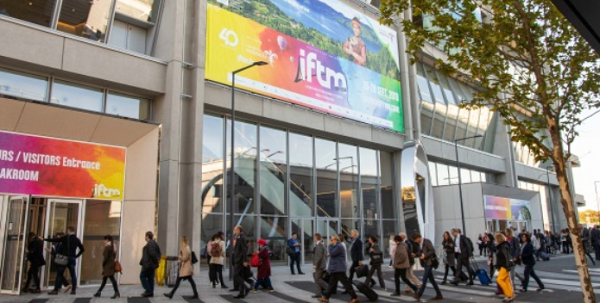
(457, 244)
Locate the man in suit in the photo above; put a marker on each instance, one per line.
(595, 235)
(240, 251)
(585, 238)
(463, 253)
(356, 252)
(427, 257)
(319, 265)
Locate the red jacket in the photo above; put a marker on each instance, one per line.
(264, 270)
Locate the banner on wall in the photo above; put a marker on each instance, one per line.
(499, 208)
(53, 167)
(321, 54)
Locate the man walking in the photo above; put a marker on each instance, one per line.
(240, 250)
(595, 234)
(427, 257)
(356, 252)
(150, 257)
(585, 238)
(515, 253)
(463, 252)
(70, 244)
(293, 251)
(319, 265)
(413, 250)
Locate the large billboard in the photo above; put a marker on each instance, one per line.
(321, 54)
(44, 166)
(500, 208)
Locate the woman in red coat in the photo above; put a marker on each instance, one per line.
(264, 269)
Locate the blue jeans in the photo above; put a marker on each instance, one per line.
(266, 283)
(295, 258)
(530, 272)
(147, 279)
(428, 275)
(60, 274)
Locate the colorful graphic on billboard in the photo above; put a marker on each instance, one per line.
(43, 166)
(506, 209)
(320, 54)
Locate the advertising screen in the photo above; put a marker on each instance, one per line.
(506, 209)
(44, 166)
(321, 54)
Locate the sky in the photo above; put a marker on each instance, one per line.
(587, 147)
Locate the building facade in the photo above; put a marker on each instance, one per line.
(336, 131)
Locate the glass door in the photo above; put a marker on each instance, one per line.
(60, 214)
(305, 230)
(14, 219)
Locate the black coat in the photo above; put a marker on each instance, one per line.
(356, 251)
(503, 256)
(35, 256)
(240, 250)
(70, 244)
(527, 254)
(150, 256)
(465, 248)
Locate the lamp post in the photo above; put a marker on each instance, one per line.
(460, 194)
(597, 201)
(231, 180)
(549, 198)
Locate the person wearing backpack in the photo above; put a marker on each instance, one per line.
(216, 250)
(186, 270)
(463, 248)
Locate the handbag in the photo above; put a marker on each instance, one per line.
(376, 258)
(255, 261)
(194, 258)
(289, 250)
(118, 267)
(435, 263)
(61, 260)
(361, 270)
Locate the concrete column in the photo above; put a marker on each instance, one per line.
(405, 80)
(504, 147)
(397, 157)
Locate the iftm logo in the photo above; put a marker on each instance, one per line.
(310, 66)
(100, 190)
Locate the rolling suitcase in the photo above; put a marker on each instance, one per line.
(367, 291)
(481, 273)
(544, 256)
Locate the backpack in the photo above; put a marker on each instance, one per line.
(471, 249)
(215, 250)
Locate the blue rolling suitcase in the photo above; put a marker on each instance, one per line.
(481, 274)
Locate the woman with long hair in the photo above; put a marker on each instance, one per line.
(448, 245)
(492, 248)
(186, 271)
(35, 256)
(376, 257)
(216, 250)
(528, 259)
(503, 265)
(108, 266)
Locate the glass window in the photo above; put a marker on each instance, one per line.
(273, 229)
(144, 10)
(34, 11)
(465, 175)
(19, 85)
(125, 106)
(245, 165)
(426, 117)
(211, 224)
(301, 173)
(248, 224)
(453, 176)
(368, 183)
(78, 96)
(348, 167)
(435, 86)
(273, 171)
(85, 18)
(212, 165)
(433, 174)
(327, 205)
(443, 175)
(389, 207)
(390, 229)
(475, 176)
(423, 85)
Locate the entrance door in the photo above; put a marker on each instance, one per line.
(61, 214)
(305, 230)
(12, 242)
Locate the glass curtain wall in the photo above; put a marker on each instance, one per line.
(287, 171)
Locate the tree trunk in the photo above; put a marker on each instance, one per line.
(575, 233)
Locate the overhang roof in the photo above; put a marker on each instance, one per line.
(583, 14)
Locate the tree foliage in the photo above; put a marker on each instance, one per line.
(534, 69)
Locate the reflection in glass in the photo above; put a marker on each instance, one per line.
(371, 228)
(77, 96)
(326, 154)
(440, 105)
(389, 208)
(273, 171)
(273, 229)
(34, 11)
(138, 9)
(368, 179)
(85, 18)
(245, 165)
(390, 228)
(125, 106)
(348, 167)
(248, 224)
(212, 165)
(301, 173)
(25, 86)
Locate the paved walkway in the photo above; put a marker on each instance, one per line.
(563, 287)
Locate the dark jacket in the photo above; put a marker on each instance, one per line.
(429, 253)
(264, 269)
(291, 244)
(527, 254)
(411, 248)
(503, 255)
(240, 250)
(70, 244)
(320, 256)
(337, 258)
(515, 247)
(356, 251)
(150, 256)
(377, 253)
(449, 250)
(465, 248)
(108, 261)
(595, 235)
(35, 256)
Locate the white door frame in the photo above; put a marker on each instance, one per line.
(7, 199)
